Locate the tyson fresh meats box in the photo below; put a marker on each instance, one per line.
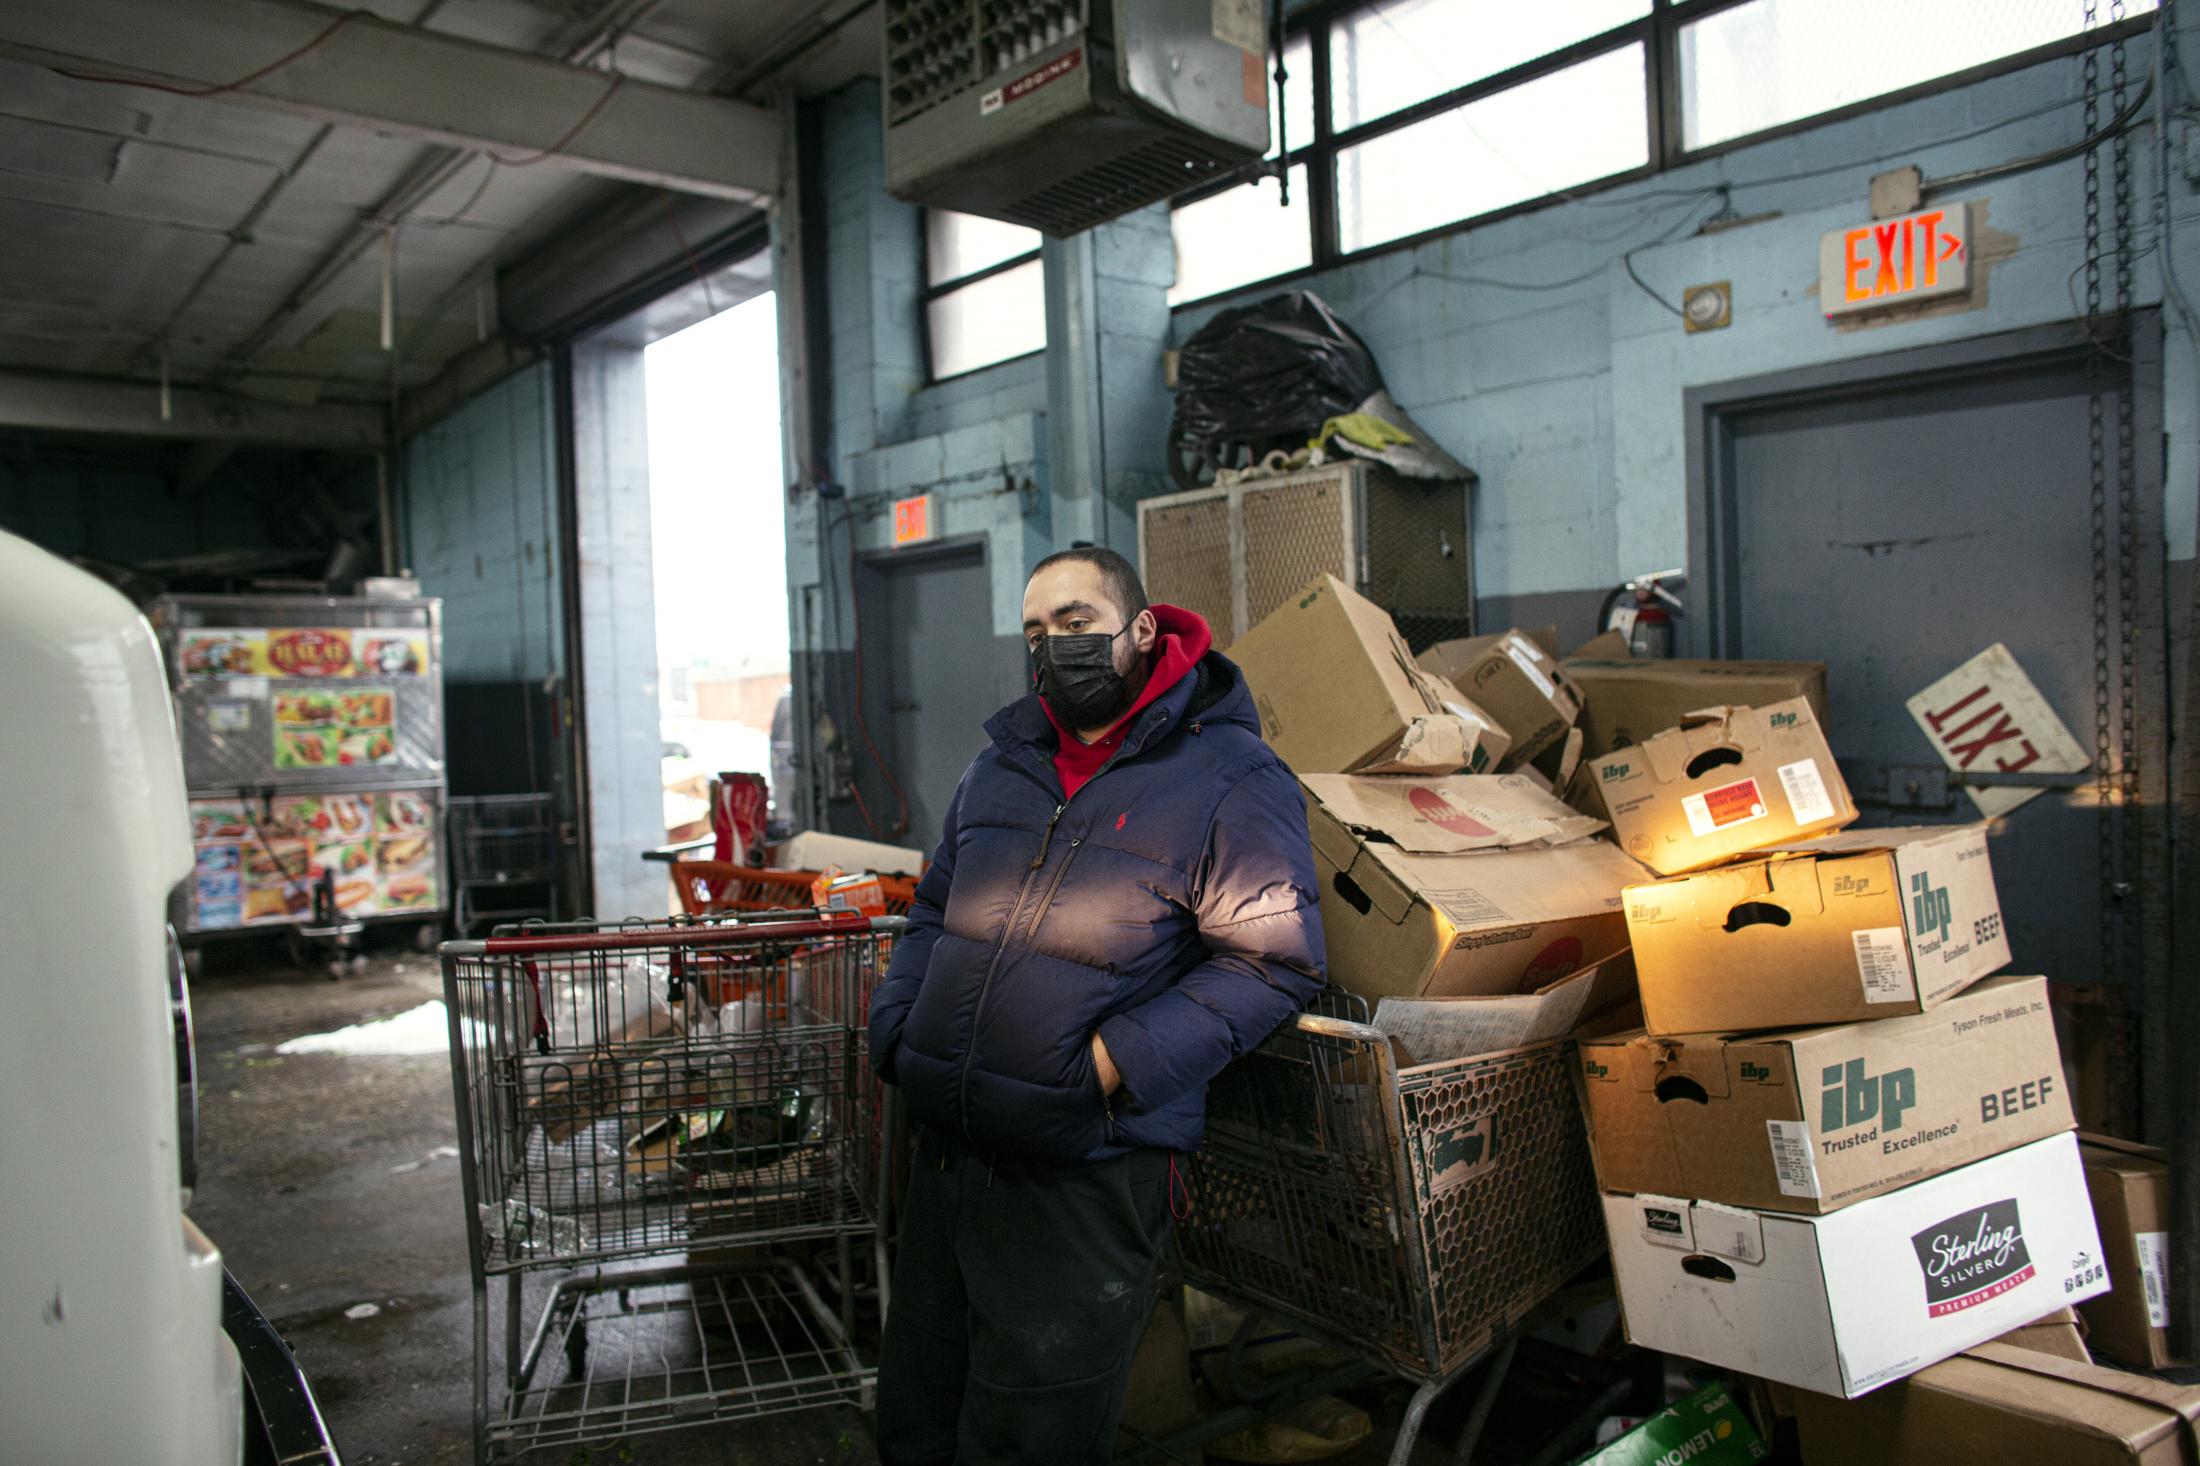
(1815, 1119)
(1842, 1304)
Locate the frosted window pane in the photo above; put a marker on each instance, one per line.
(956, 245)
(1583, 123)
(996, 318)
(1240, 236)
(1399, 52)
(1773, 61)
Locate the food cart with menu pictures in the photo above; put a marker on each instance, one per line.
(312, 733)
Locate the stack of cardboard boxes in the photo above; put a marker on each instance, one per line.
(1450, 873)
(1834, 1147)
(1835, 1152)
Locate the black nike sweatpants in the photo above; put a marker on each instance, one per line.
(1020, 1291)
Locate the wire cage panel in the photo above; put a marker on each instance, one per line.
(623, 1092)
(1296, 529)
(1186, 548)
(1238, 552)
(1411, 1214)
(503, 838)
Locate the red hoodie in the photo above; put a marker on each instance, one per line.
(1183, 639)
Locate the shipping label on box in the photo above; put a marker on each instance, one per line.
(1727, 781)
(1842, 1304)
(1863, 924)
(1412, 908)
(2130, 1187)
(1516, 682)
(1818, 1119)
(1338, 691)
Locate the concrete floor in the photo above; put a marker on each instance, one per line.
(328, 1183)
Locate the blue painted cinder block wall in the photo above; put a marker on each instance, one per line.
(1523, 344)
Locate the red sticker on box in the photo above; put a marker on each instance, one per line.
(1443, 814)
(1723, 808)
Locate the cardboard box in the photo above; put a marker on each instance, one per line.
(2129, 1184)
(814, 850)
(1726, 782)
(1998, 1405)
(1816, 1119)
(1709, 1428)
(1865, 924)
(1625, 702)
(1842, 1304)
(1416, 905)
(2059, 1334)
(1516, 682)
(1339, 693)
(1430, 1030)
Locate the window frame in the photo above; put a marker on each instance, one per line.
(1658, 32)
(945, 288)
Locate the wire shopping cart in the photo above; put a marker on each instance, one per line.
(500, 843)
(670, 1141)
(1418, 1217)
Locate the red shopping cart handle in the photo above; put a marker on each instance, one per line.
(735, 934)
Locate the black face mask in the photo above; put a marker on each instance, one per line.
(1077, 677)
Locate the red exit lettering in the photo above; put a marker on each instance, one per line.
(1892, 259)
(1965, 747)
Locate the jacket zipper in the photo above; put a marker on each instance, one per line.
(977, 1014)
(1039, 912)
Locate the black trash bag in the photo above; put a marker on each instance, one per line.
(1273, 370)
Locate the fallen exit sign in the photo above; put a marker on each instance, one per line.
(1887, 262)
(1988, 717)
(915, 520)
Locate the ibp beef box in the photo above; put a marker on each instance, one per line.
(1625, 702)
(1844, 1303)
(1863, 924)
(1516, 682)
(1816, 1119)
(1725, 782)
(1338, 692)
(1460, 886)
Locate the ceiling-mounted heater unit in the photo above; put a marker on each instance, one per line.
(1063, 114)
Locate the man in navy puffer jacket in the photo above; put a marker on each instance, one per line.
(1122, 901)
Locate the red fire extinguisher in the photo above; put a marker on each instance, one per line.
(1642, 610)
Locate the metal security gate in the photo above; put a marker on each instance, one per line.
(1895, 516)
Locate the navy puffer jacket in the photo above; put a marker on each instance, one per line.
(1170, 906)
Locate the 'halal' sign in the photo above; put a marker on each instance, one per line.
(1972, 1257)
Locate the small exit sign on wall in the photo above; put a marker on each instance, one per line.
(916, 519)
(1918, 256)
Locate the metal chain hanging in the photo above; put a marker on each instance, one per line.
(2097, 437)
(2108, 369)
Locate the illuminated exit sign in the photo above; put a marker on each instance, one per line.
(915, 520)
(1894, 261)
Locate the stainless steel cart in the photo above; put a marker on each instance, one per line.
(1419, 1217)
(670, 1139)
(312, 735)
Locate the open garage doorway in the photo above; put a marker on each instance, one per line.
(718, 539)
(680, 526)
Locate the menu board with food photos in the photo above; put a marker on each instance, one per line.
(260, 860)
